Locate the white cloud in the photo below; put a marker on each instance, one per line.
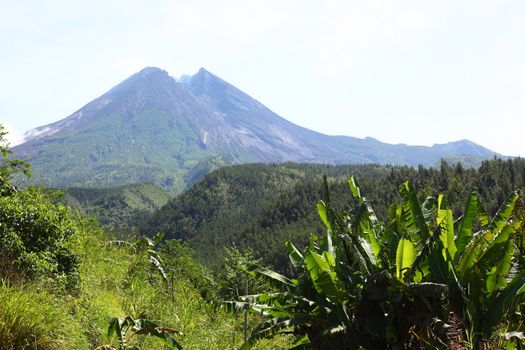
(14, 137)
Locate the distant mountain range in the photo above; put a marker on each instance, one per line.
(152, 128)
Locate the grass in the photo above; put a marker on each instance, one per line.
(116, 281)
(34, 319)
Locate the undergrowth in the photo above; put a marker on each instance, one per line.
(34, 319)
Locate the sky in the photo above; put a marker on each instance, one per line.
(415, 72)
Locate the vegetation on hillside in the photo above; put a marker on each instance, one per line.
(261, 206)
(117, 209)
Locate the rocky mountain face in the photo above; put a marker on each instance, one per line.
(152, 128)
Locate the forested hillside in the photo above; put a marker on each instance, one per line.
(118, 209)
(261, 206)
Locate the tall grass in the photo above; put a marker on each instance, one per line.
(34, 319)
(115, 281)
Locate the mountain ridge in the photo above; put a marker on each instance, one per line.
(152, 128)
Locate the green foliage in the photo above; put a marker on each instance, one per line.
(35, 239)
(350, 295)
(419, 279)
(181, 265)
(144, 249)
(9, 166)
(72, 279)
(251, 206)
(119, 279)
(234, 280)
(261, 206)
(35, 233)
(34, 319)
(405, 256)
(141, 326)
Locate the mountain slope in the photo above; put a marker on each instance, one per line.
(151, 128)
(143, 130)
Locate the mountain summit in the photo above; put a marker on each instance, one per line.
(152, 128)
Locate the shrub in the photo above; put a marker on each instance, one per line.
(35, 237)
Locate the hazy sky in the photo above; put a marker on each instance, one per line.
(415, 72)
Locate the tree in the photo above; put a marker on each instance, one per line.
(9, 166)
(235, 281)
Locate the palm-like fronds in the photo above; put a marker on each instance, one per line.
(373, 285)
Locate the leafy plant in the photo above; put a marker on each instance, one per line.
(35, 232)
(394, 285)
(145, 248)
(35, 239)
(141, 326)
(234, 279)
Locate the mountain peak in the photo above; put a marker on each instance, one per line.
(149, 73)
(203, 70)
(148, 76)
(205, 82)
(151, 70)
(204, 74)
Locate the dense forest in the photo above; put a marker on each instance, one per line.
(268, 257)
(262, 206)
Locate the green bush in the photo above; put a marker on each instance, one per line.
(180, 264)
(35, 238)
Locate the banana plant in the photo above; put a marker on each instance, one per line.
(316, 303)
(125, 328)
(478, 259)
(486, 267)
(366, 283)
(351, 291)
